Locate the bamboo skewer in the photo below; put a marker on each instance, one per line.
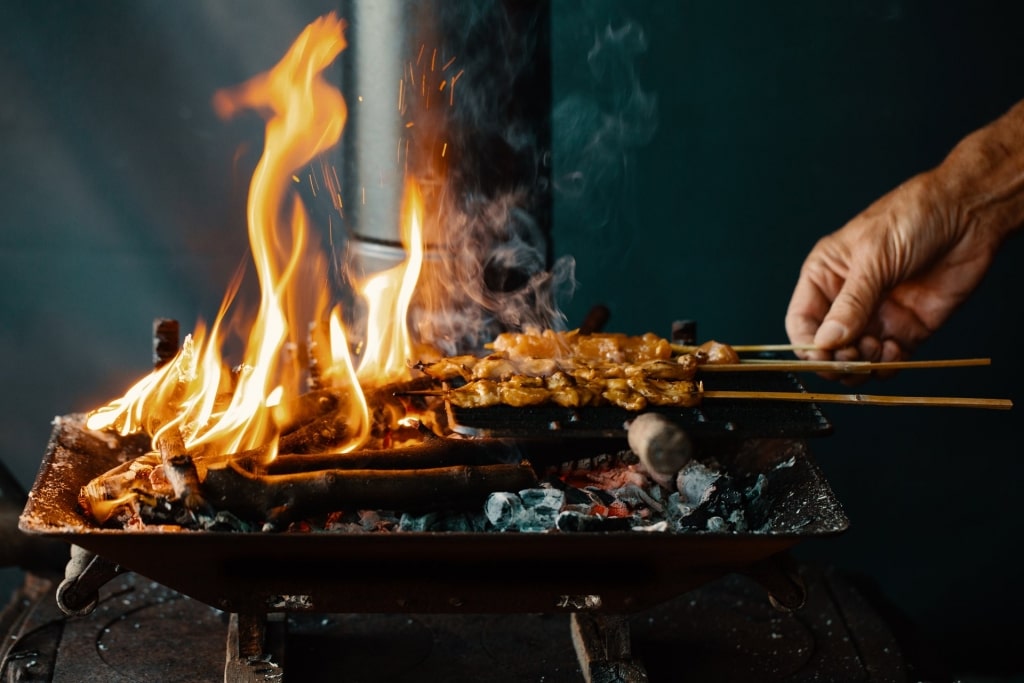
(839, 366)
(865, 399)
(820, 397)
(749, 348)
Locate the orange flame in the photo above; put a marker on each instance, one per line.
(388, 342)
(218, 411)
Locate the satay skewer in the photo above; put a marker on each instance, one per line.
(817, 397)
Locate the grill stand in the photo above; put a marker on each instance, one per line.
(256, 642)
(723, 631)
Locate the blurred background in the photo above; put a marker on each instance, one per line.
(699, 151)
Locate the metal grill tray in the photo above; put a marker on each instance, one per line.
(715, 417)
(254, 572)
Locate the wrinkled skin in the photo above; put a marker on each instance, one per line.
(878, 287)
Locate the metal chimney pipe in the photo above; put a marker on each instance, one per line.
(400, 115)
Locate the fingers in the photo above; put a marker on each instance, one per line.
(807, 308)
(851, 311)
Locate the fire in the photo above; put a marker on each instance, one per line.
(388, 342)
(218, 411)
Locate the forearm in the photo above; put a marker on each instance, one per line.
(981, 181)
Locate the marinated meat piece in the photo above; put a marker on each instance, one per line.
(519, 396)
(447, 369)
(661, 369)
(716, 353)
(546, 344)
(494, 367)
(482, 393)
(682, 394)
(541, 367)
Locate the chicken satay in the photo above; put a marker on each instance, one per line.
(545, 344)
(522, 391)
(481, 393)
(680, 394)
(618, 392)
(447, 369)
(716, 353)
(661, 369)
(566, 392)
(494, 367)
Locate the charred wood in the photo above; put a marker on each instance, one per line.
(180, 470)
(166, 332)
(435, 452)
(279, 498)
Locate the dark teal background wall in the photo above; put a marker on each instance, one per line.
(778, 122)
(121, 199)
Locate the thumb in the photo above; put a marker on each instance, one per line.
(850, 312)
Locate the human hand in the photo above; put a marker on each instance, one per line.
(888, 279)
(878, 287)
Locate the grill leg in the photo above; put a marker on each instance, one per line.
(602, 648)
(255, 648)
(780, 576)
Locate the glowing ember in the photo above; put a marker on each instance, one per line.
(218, 411)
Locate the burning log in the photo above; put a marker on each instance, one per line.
(662, 446)
(166, 332)
(181, 472)
(434, 452)
(279, 498)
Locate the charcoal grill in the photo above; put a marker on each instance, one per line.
(595, 577)
(430, 571)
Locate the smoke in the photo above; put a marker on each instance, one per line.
(604, 116)
(482, 135)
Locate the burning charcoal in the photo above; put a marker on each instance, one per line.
(738, 520)
(437, 521)
(758, 503)
(573, 495)
(503, 510)
(708, 499)
(727, 502)
(225, 521)
(541, 508)
(696, 483)
(374, 520)
(599, 495)
(463, 521)
(572, 520)
(716, 523)
(411, 522)
(157, 510)
(635, 496)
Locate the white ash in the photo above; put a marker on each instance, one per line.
(446, 520)
(530, 510)
(694, 485)
(503, 509)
